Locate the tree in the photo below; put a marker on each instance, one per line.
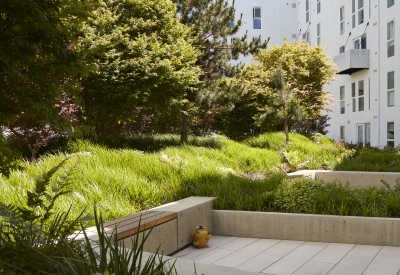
(303, 71)
(306, 69)
(30, 132)
(143, 57)
(37, 60)
(212, 22)
(283, 103)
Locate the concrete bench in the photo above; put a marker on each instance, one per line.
(171, 225)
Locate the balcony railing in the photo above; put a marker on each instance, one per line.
(352, 61)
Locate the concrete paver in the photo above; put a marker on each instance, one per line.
(258, 263)
(314, 268)
(213, 255)
(282, 248)
(231, 255)
(333, 253)
(388, 259)
(246, 253)
(295, 259)
(238, 243)
(356, 261)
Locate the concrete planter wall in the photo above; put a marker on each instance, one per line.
(306, 227)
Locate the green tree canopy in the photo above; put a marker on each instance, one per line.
(37, 57)
(143, 56)
(304, 71)
(213, 22)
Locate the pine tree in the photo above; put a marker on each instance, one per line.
(212, 22)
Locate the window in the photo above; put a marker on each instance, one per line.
(369, 93)
(353, 14)
(318, 6)
(342, 100)
(256, 18)
(360, 42)
(390, 134)
(360, 12)
(390, 87)
(294, 5)
(390, 39)
(361, 95)
(390, 3)
(342, 133)
(368, 134)
(307, 11)
(353, 96)
(319, 34)
(342, 23)
(341, 49)
(306, 37)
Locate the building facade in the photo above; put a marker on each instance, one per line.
(273, 19)
(361, 37)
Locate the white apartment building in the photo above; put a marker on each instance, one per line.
(361, 37)
(274, 19)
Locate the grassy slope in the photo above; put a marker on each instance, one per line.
(124, 181)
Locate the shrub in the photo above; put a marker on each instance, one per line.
(296, 195)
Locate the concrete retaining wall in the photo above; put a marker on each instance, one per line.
(356, 179)
(174, 235)
(306, 227)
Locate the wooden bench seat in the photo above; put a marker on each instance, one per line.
(128, 226)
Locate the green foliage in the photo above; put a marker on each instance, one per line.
(296, 195)
(91, 256)
(303, 70)
(247, 192)
(8, 158)
(211, 23)
(303, 153)
(283, 103)
(371, 159)
(143, 57)
(37, 57)
(34, 225)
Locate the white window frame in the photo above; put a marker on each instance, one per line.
(390, 90)
(342, 133)
(258, 18)
(353, 14)
(319, 34)
(318, 6)
(390, 40)
(306, 37)
(342, 17)
(360, 6)
(390, 3)
(342, 99)
(358, 42)
(360, 96)
(390, 136)
(307, 11)
(353, 97)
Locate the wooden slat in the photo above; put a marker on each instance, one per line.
(145, 226)
(129, 225)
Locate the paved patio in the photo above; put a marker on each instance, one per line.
(283, 257)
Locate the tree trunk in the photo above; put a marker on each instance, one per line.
(184, 135)
(286, 129)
